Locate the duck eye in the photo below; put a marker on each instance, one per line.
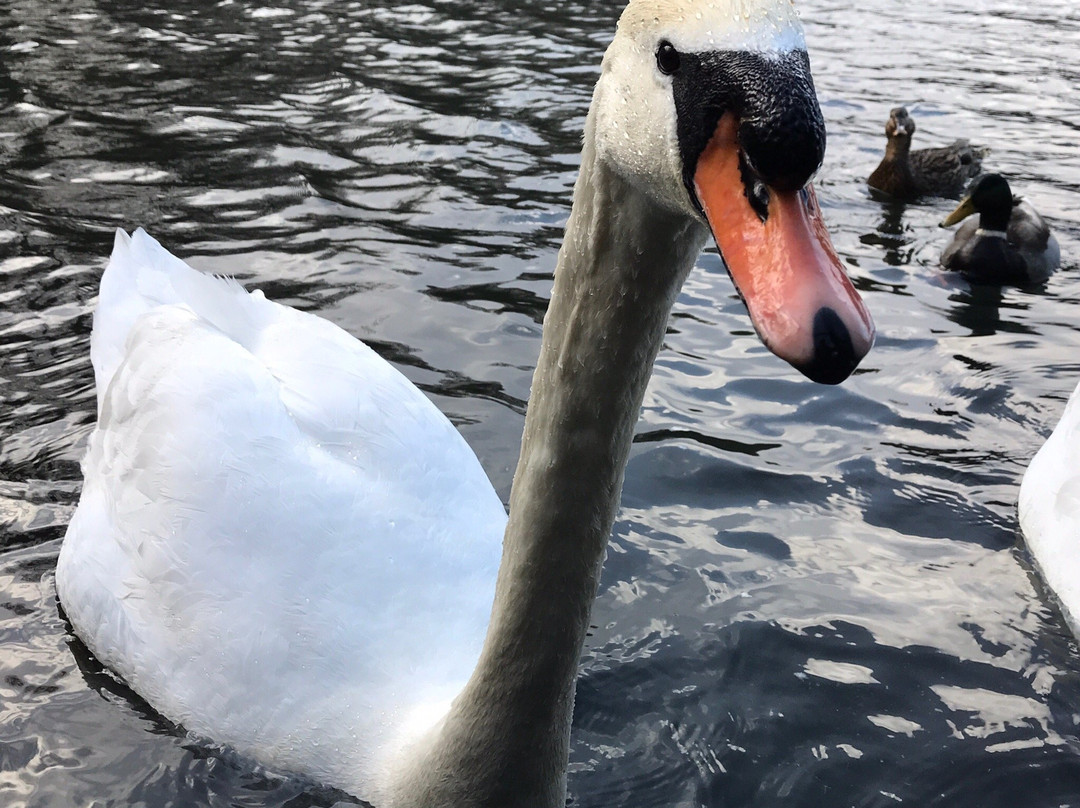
(667, 58)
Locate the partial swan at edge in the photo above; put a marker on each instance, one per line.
(1050, 511)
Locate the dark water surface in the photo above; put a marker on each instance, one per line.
(814, 596)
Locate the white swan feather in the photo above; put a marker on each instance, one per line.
(1050, 510)
(315, 643)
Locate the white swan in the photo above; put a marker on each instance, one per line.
(1050, 511)
(284, 547)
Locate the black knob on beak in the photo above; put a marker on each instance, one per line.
(781, 128)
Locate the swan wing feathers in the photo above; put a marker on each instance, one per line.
(281, 542)
(1050, 510)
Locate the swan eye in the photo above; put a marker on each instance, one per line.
(667, 58)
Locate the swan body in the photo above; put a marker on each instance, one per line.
(245, 453)
(1010, 243)
(282, 545)
(1050, 511)
(907, 175)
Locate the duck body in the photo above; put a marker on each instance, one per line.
(908, 175)
(1049, 511)
(1010, 243)
(264, 485)
(284, 547)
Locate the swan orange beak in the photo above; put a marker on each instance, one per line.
(800, 300)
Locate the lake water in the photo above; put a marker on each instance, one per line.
(813, 596)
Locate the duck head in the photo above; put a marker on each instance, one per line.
(990, 196)
(900, 124)
(708, 107)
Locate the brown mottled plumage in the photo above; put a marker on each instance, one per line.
(907, 175)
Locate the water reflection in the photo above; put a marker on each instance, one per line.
(891, 234)
(977, 309)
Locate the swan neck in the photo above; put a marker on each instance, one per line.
(623, 259)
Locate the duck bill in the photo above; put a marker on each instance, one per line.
(963, 210)
(800, 300)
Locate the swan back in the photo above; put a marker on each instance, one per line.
(141, 276)
(281, 543)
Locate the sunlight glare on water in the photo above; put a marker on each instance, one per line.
(813, 596)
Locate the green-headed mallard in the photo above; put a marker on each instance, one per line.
(907, 175)
(1010, 243)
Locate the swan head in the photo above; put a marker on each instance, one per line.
(709, 108)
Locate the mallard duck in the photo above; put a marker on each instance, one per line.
(1050, 511)
(283, 546)
(908, 175)
(1010, 243)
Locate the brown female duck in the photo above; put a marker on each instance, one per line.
(907, 175)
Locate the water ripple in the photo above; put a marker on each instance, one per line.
(814, 596)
